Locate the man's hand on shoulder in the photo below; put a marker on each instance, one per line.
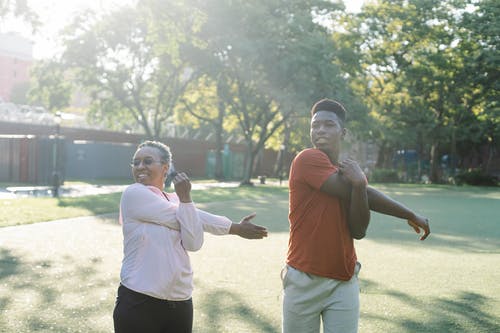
(351, 171)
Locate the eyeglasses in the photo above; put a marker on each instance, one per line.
(148, 161)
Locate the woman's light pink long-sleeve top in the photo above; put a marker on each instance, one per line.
(157, 233)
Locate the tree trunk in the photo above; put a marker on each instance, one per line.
(434, 176)
(420, 154)
(219, 145)
(453, 153)
(383, 158)
(249, 161)
(278, 167)
(491, 152)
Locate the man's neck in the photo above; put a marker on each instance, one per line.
(332, 156)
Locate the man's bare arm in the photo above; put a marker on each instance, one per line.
(337, 186)
(358, 214)
(381, 203)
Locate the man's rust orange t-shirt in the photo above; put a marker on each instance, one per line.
(320, 242)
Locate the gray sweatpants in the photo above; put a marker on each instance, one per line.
(307, 298)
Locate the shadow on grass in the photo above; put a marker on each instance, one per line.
(8, 264)
(219, 305)
(464, 312)
(44, 295)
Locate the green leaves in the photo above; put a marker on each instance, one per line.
(413, 74)
(421, 71)
(50, 87)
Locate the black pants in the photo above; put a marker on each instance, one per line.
(138, 313)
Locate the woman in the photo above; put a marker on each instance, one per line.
(158, 229)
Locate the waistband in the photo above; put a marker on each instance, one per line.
(124, 290)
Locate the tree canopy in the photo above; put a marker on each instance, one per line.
(414, 74)
(417, 77)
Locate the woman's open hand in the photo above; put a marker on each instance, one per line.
(247, 229)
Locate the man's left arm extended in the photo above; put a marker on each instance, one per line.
(381, 203)
(340, 186)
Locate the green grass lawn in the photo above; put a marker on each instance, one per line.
(62, 276)
(31, 210)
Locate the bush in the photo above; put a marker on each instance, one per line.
(384, 176)
(476, 177)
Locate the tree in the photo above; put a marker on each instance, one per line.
(274, 69)
(19, 9)
(19, 93)
(375, 74)
(480, 41)
(415, 74)
(203, 103)
(50, 87)
(129, 62)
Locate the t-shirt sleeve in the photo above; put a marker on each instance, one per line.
(313, 168)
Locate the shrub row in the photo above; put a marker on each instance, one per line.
(474, 177)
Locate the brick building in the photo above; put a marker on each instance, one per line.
(15, 62)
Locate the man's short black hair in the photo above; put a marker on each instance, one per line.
(329, 105)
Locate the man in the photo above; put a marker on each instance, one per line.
(330, 204)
